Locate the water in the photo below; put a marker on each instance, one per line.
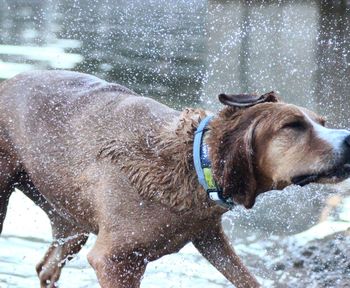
(183, 53)
(27, 236)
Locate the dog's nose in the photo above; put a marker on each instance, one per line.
(347, 140)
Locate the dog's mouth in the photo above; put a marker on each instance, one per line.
(334, 175)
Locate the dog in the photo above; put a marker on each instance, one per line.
(98, 158)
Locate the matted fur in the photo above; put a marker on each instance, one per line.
(50, 123)
(160, 166)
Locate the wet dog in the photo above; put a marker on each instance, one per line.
(100, 159)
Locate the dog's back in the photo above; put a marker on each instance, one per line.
(106, 162)
(53, 124)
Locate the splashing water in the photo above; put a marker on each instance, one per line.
(185, 53)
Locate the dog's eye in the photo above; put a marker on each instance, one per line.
(295, 125)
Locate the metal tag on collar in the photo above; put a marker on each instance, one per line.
(215, 196)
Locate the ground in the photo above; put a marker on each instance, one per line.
(315, 256)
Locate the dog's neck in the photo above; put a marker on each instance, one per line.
(203, 167)
(160, 165)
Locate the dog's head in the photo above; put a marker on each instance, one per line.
(258, 144)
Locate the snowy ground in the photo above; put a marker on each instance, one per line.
(277, 260)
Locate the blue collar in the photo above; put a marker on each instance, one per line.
(202, 165)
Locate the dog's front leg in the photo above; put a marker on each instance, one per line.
(215, 247)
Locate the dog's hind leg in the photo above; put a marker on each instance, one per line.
(7, 179)
(67, 241)
(5, 192)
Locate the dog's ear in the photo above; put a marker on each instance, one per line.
(239, 180)
(247, 100)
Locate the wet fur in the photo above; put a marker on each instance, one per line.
(147, 159)
(98, 158)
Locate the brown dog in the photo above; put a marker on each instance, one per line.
(99, 158)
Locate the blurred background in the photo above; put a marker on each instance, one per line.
(184, 53)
